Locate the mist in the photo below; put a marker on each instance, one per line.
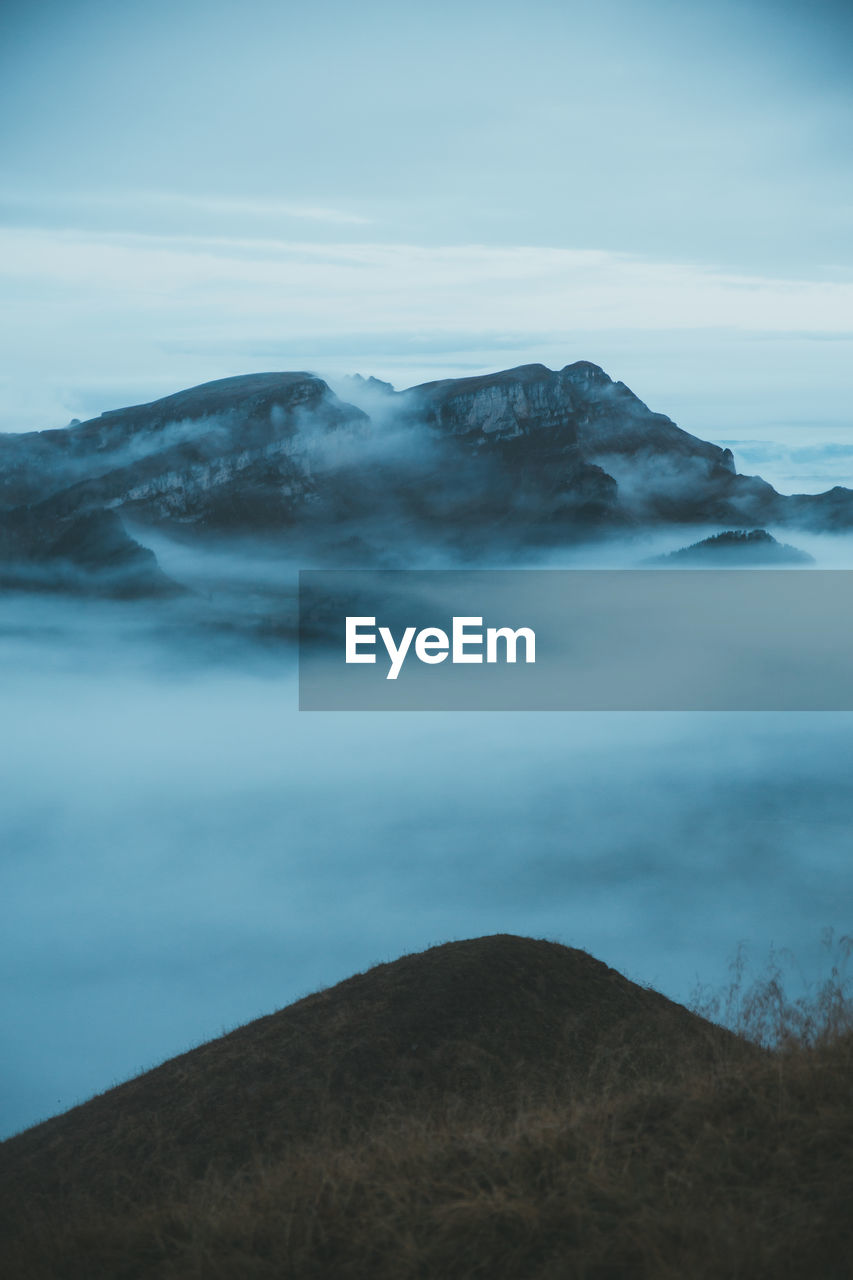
(184, 851)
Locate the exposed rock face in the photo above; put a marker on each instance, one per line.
(193, 441)
(580, 419)
(661, 472)
(580, 403)
(222, 455)
(525, 456)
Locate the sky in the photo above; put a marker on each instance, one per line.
(190, 191)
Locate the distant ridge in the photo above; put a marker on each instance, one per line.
(494, 464)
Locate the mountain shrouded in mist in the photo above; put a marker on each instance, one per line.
(523, 458)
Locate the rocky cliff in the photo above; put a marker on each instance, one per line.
(526, 456)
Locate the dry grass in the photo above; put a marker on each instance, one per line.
(761, 1010)
(601, 1153)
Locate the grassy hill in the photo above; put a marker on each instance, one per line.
(501, 1107)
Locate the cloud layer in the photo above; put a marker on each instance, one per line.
(150, 313)
(184, 851)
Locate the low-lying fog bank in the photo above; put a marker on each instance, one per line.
(182, 850)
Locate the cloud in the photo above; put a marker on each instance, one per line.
(60, 204)
(249, 208)
(96, 318)
(299, 287)
(205, 853)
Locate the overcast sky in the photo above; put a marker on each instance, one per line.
(192, 190)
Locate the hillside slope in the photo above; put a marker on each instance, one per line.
(500, 1107)
(499, 1015)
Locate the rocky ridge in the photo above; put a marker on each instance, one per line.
(499, 462)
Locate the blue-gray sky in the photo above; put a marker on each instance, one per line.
(194, 190)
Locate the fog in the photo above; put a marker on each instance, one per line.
(183, 850)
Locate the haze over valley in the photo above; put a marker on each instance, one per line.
(185, 850)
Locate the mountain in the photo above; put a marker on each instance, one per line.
(488, 1013)
(89, 552)
(498, 1017)
(151, 445)
(496, 1107)
(522, 458)
(737, 547)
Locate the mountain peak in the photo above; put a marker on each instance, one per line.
(585, 371)
(221, 395)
